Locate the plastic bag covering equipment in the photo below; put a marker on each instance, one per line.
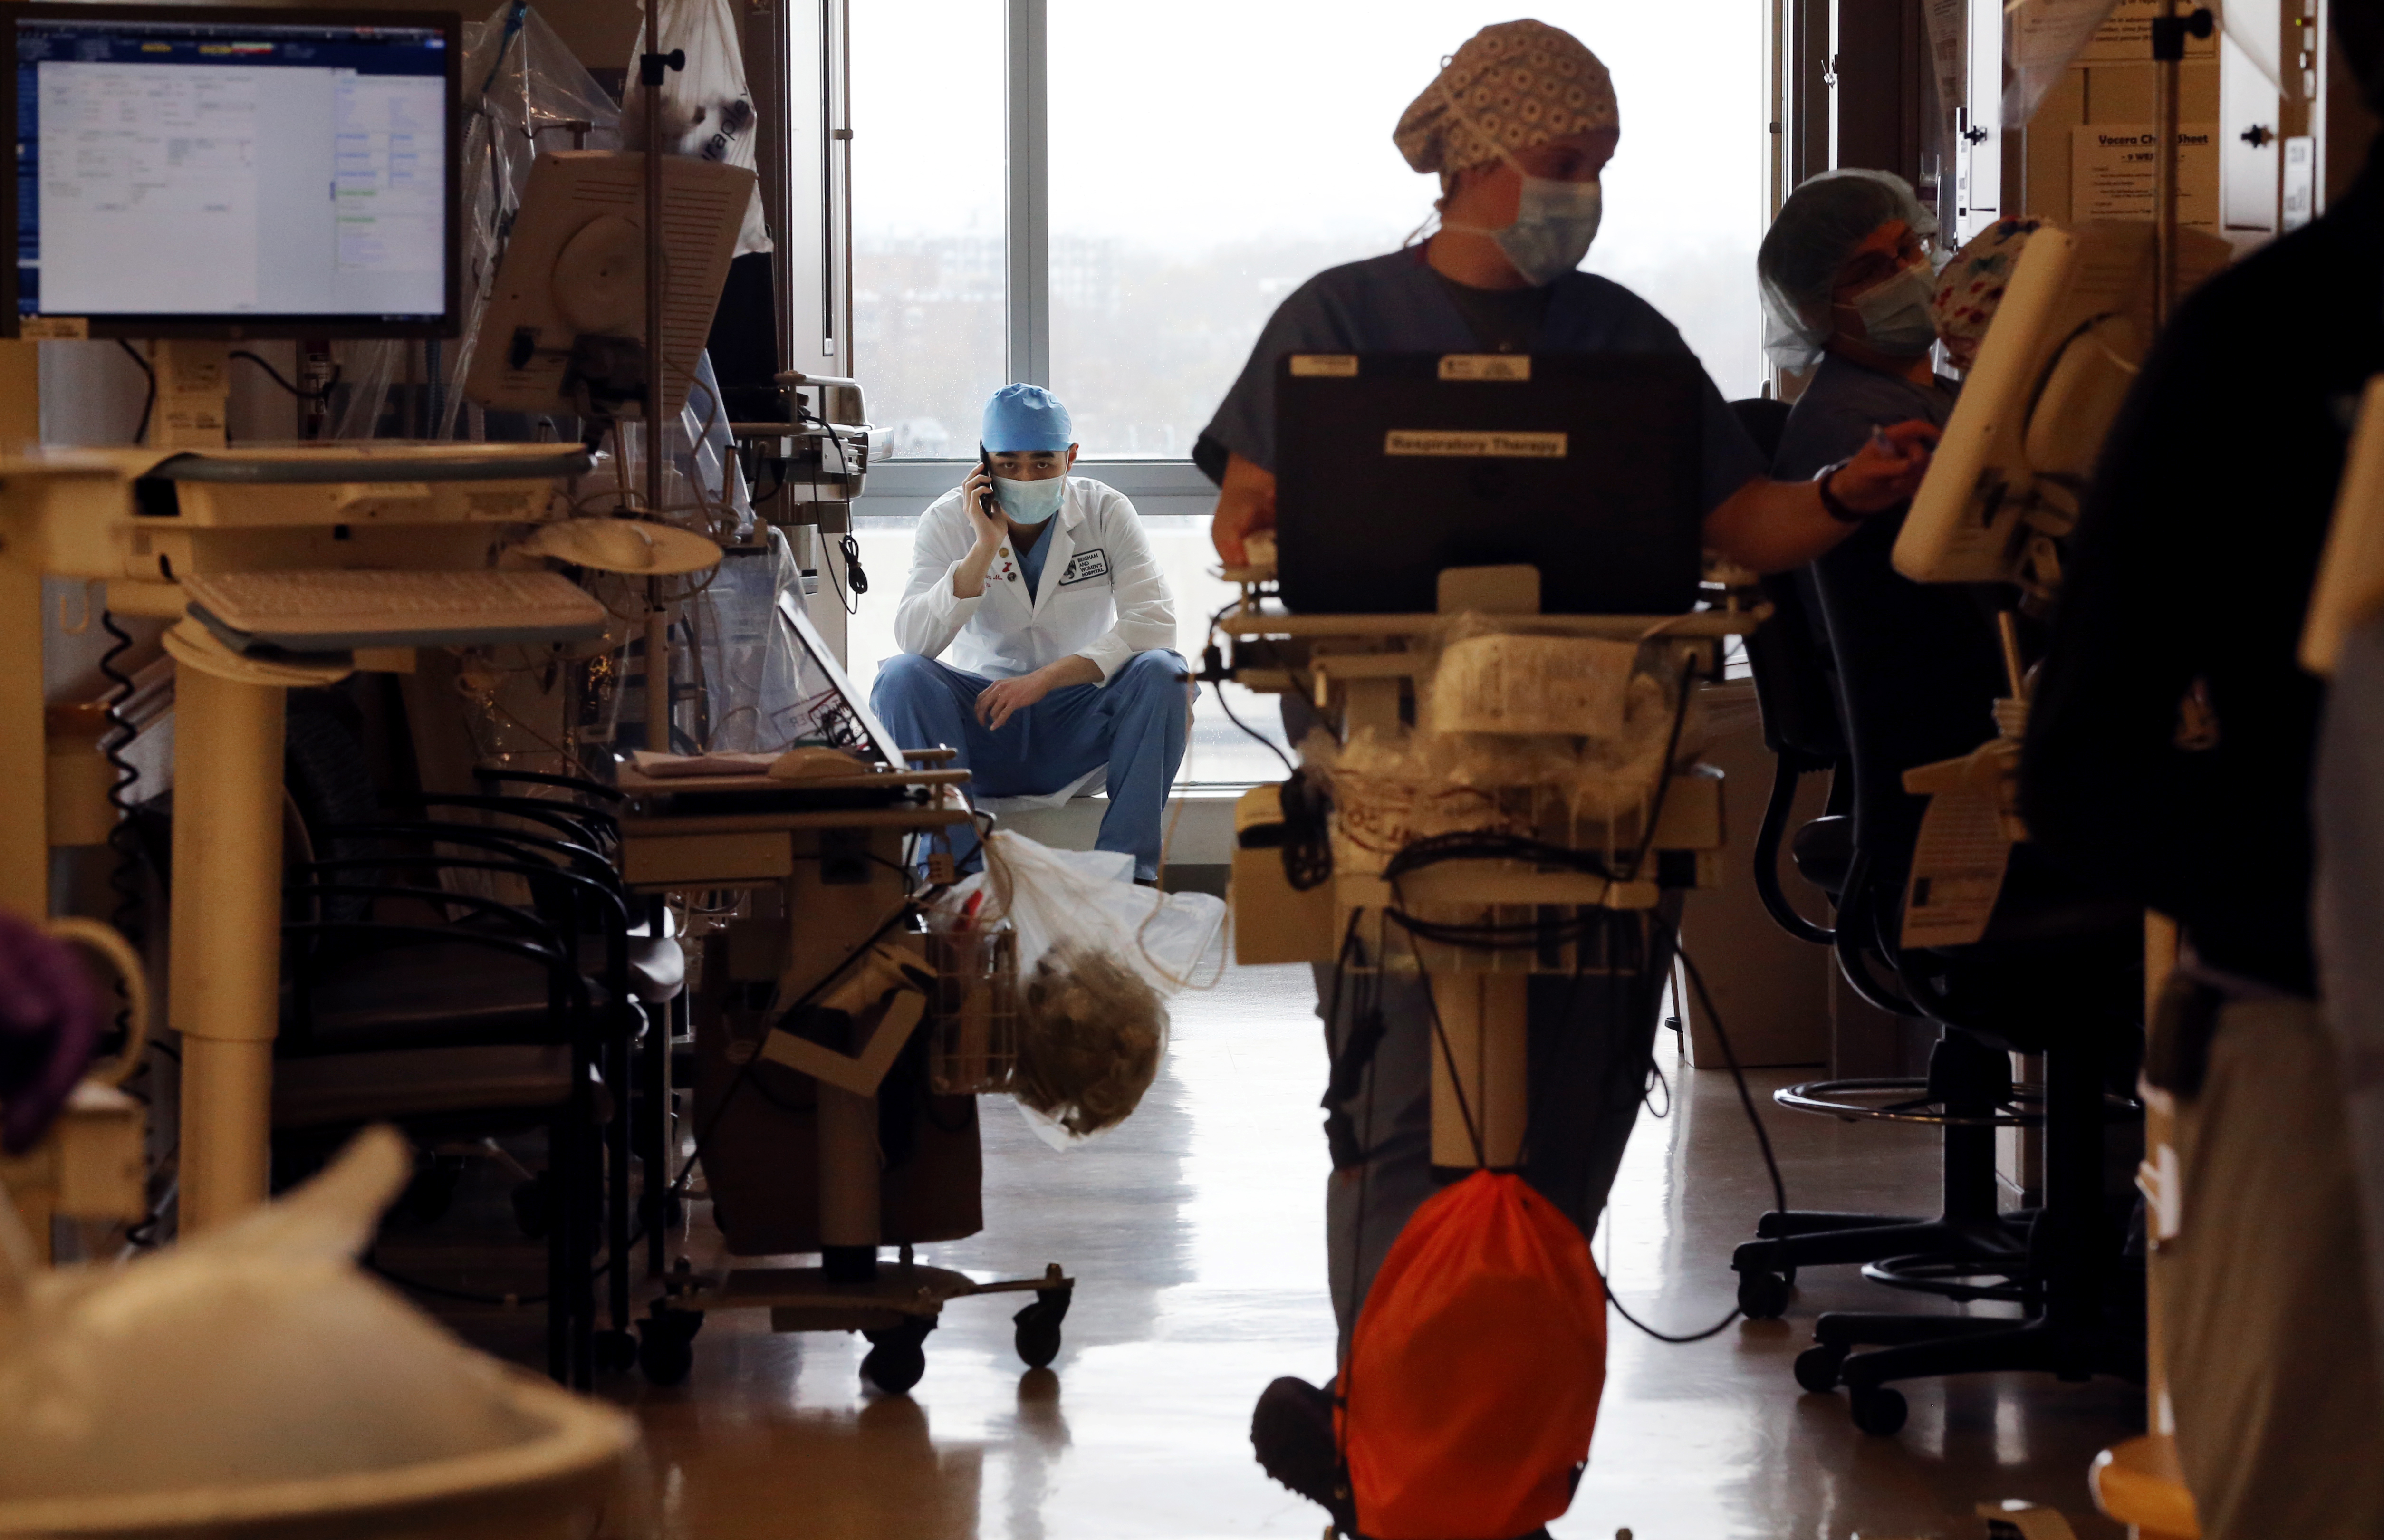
(1474, 1374)
(524, 92)
(256, 1370)
(707, 111)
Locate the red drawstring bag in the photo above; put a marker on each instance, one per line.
(1472, 1383)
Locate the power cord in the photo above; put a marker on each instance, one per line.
(149, 402)
(1762, 1139)
(319, 398)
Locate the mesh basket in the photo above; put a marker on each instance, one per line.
(973, 1018)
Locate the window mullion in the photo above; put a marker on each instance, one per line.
(1028, 253)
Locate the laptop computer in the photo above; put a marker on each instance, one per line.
(1390, 467)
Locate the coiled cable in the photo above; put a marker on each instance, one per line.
(123, 839)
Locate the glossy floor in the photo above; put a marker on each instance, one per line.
(1196, 1233)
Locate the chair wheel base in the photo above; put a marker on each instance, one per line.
(1817, 1368)
(1878, 1409)
(1763, 1296)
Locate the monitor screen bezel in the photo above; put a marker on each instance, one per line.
(245, 327)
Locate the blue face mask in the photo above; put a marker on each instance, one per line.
(1030, 502)
(1895, 314)
(1555, 222)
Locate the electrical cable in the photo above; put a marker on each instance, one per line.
(149, 402)
(123, 837)
(1762, 1139)
(319, 398)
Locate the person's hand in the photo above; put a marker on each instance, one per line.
(997, 702)
(1245, 506)
(975, 493)
(1887, 470)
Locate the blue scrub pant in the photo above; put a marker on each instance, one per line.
(1135, 724)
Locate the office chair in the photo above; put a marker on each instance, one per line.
(376, 1029)
(1797, 688)
(2058, 972)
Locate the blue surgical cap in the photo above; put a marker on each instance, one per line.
(1025, 418)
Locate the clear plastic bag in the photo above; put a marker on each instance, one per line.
(706, 110)
(256, 1353)
(2041, 37)
(1096, 958)
(524, 90)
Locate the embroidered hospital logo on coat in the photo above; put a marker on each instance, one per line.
(1085, 566)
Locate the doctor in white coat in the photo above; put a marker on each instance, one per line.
(1037, 635)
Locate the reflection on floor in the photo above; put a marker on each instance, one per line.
(1196, 1233)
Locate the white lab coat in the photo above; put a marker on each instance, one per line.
(1102, 595)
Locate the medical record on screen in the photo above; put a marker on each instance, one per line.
(200, 166)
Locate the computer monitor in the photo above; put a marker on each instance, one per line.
(231, 172)
(1392, 466)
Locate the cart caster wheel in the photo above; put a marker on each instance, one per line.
(1817, 1369)
(1038, 1336)
(898, 1358)
(1762, 1296)
(617, 1352)
(534, 1207)
(1038, 1325)
(666, 1345)
(1878, 1410)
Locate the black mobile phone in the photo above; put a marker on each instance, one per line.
(987, 503)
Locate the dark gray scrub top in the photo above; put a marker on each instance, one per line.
(1397, 304)
(1841, 406)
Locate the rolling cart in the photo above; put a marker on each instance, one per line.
(841, 1037)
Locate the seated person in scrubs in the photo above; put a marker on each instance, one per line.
(1037, 635)
(1848, 290)
(1518, 126)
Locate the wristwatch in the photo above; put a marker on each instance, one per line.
(1831, 504)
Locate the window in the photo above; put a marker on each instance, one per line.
(927, 198)
(1203, 161)
(1111, 198)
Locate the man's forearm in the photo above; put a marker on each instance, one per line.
(1073, 669)
(968, 578)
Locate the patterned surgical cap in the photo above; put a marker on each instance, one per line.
(1513, 87)
(1971, 287)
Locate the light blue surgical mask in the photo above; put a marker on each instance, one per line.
(1896, 312)
(1555, 222)
(1030, 502)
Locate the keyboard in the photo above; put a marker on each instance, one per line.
(337, 611)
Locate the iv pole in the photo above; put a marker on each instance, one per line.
(2169, 32)
(652, 66)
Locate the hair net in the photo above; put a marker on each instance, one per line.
(1971, 287)
(1025, 418)
(1817, 230)
(1513, 87)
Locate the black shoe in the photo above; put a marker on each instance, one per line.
(1292, 1431)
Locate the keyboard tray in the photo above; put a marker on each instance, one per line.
(337, 611)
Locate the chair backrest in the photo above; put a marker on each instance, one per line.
(1919, 670)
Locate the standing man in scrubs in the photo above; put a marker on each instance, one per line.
(1518, 126)
(1038, 635)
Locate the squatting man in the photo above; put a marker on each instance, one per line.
(1038, 635)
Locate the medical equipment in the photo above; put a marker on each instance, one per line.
(1524, 879)
(808, 1077)
(2008, 477)
(142, 520)
(564, 330)
(1394, 466)
(243, 172)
